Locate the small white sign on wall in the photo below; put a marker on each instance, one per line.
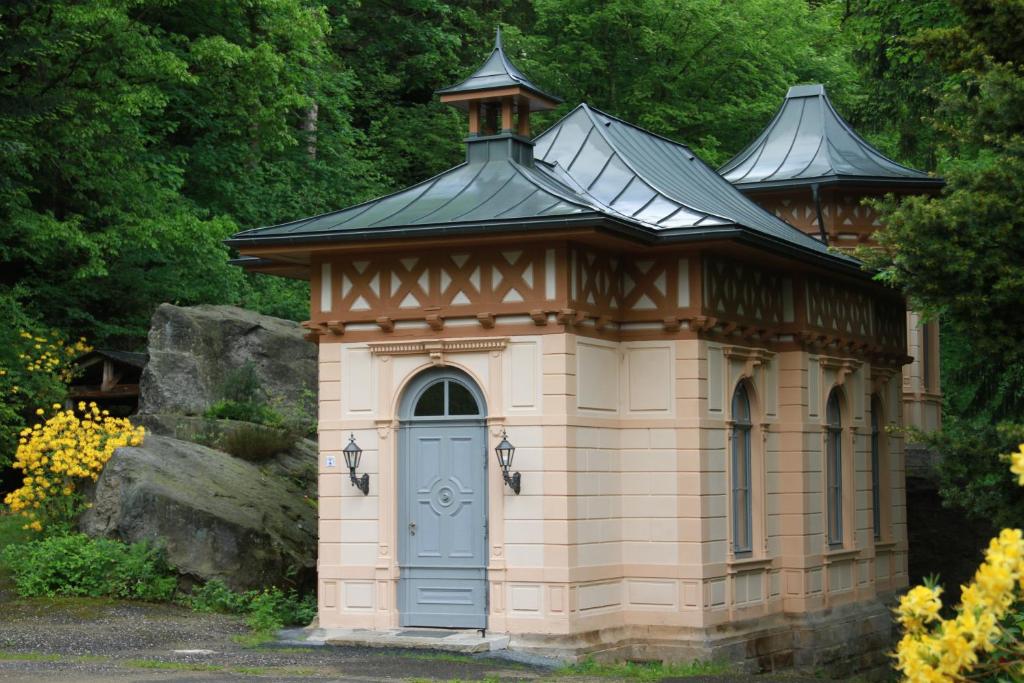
(329, 462)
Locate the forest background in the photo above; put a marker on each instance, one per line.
(135, 135)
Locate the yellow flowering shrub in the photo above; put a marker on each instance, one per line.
(57, 455)
(35, 368)
(983, 640)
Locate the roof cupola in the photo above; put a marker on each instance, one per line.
(498, 99)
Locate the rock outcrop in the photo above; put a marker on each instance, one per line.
(193, 349)
(218, 517)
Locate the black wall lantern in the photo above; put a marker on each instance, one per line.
(505, 451)
(352, 454)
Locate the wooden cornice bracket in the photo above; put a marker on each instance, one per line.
(336, 327)
(728, 328)
(436, 322)
(751, 331)
(672, 324)
(309, 325)
(602, 322)
(569, 317)
(386, 324)
(539, 317)
(486, 320)
(703, 323)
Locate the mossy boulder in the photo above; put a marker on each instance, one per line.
(218, 517)
(193, 349)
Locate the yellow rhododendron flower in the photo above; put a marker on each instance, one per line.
(980, 640)
(67, 449)
(1017, 464)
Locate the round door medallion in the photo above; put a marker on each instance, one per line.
(445, 496)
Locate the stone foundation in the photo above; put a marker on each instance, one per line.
(837, 642)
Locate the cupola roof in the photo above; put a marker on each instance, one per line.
(809, 143)
(498, 75)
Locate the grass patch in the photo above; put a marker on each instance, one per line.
(255, 639)
(28, 657)
(170, 666)
(643, 671)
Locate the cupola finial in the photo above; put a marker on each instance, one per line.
(497, 96)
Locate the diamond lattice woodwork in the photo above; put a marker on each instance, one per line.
(743, 293)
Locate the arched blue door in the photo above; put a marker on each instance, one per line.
(442, 505)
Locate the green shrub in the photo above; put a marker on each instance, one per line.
(215, 596)
(244, 411)
(242, 385)
(76, 565)
(256, 443)
(267, 610)
(273, 609)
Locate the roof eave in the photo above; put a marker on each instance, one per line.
(627, 229)
(840, 181)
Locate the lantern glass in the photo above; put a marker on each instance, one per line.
(352, 453)
(505, 451)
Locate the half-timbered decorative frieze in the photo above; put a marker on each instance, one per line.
(597, 292)
(835, 308)
(742, 293)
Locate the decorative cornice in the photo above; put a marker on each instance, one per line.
(437, 348)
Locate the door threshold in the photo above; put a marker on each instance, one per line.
(466, 641)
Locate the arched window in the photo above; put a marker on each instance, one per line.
(742, 518)
(834, 469)
(876, 466)
(446, 398)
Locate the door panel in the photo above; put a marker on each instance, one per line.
(442, 526)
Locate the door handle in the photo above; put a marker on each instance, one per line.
(412, 528)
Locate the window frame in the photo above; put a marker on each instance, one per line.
(446, 413)
(740, 436)
(834, 470)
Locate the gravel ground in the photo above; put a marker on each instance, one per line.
(100, 640)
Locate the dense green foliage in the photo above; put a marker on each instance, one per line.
(138, 134)
(76, 565)
(266, 611)
(958, 257)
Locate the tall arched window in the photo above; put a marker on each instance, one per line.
(834, 469)
(876, 466)
(742, 517)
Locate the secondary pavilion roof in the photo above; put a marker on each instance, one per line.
(590, 169)
(809, 143)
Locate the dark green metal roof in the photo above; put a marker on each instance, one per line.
(644, 178)
(589, 169)
(809, 143)
(496, 72)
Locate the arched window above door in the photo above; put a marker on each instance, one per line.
(446, 398)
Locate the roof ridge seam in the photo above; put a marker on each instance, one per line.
(451, 199)
(625, 160)
(792, 142)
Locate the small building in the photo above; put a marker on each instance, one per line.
(810, 168)
(604, 402)
(110, 379)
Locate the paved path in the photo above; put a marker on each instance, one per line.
(99, 640)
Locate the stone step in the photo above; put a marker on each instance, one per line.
(445, 640)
